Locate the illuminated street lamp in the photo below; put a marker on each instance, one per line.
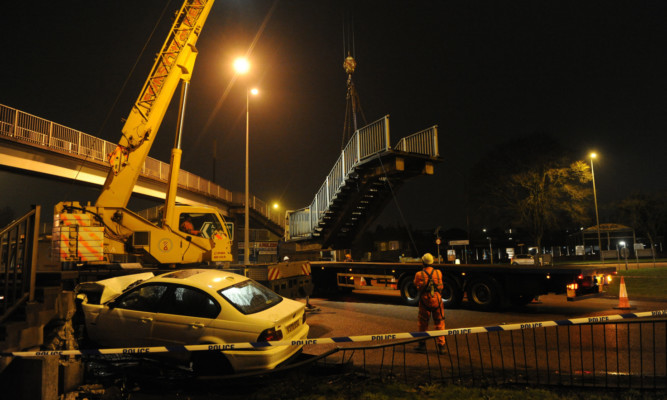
(274, 212)
(242, 66)
(595, 199)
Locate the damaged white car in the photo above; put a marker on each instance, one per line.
(194, 306)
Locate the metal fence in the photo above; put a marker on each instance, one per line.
(39, 132)
(627, 354)
(365, 143)
(18, 256)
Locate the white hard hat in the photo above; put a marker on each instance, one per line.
(285, 258)
(427, 259)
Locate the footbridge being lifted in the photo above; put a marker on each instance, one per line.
(361, 182)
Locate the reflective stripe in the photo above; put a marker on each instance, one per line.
(340, 339)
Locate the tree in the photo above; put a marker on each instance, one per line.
(544, 196)
(646, 213)
(530, 183)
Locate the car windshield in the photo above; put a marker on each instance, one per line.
(250, 297)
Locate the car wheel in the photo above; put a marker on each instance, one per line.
(515, 263)
(409, 292)
(208, 363)
(452, 295)
(484, 293)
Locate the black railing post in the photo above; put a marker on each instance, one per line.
(560, 370)
(606, 366)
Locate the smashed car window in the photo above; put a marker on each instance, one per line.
(250, 297)
(143, 298)
(191, 302)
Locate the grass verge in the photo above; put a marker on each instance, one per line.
(644, 283)
(354, 386)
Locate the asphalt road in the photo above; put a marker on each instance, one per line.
(378, 312)
(575, 348)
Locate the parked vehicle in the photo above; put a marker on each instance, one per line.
(194, 306)
(486, 286)
(522, 259)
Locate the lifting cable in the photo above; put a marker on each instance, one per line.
(352, 102)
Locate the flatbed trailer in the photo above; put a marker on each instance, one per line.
(486, 286)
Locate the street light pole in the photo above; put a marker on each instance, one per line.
(246, 230)
(595, 200)
(241, 65)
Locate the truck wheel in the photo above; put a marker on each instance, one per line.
(452, 295)
(409, 292)
(484, 292)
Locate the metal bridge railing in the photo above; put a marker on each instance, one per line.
(39, 132)
(18, 260)
(365, 143)
(424, 142)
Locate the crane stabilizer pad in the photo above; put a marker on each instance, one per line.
(335, 340)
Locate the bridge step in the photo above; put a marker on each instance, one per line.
(362, 184)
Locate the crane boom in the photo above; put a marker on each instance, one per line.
(110, 234)
(173, 64)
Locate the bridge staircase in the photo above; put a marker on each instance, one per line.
(361, 183)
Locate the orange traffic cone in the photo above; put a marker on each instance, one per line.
(362, 281)
(623, 303)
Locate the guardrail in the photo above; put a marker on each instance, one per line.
(18, 262)
(612, 351)
(423, 142)
(365, 143)
(42, 133)
(624, 354)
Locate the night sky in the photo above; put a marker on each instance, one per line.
(592, 73)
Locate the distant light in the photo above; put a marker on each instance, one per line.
(622, 243)
(254, 91)
(593, 155)
(276, 206)
(241, 65)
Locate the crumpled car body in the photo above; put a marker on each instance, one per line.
(194, 306)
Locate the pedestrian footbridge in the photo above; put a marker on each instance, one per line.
(361, 182)
(33, 144)
(363, 179)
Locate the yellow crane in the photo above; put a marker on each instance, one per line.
(108, 232)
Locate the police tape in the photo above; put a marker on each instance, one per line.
(335, 340)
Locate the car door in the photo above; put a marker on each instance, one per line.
(184, 316)
(128, 320)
